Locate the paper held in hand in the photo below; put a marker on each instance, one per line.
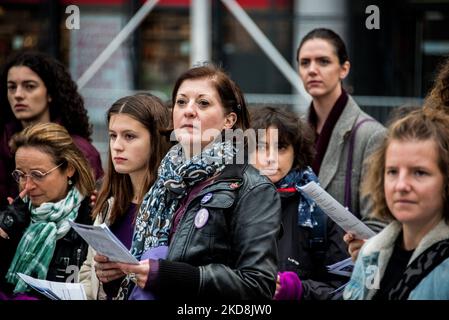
(55, 290)
(102, 240)
(345, 219)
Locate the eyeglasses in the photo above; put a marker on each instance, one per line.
(35, 175)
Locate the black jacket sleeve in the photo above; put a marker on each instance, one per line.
(15, 218)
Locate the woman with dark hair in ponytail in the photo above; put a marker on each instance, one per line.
(344, 134)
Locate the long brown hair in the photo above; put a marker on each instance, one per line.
(151, 112)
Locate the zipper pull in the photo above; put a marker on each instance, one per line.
(78, 256)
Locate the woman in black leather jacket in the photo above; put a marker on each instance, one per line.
(219, 218)
(54, 179)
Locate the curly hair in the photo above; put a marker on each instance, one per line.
(438, 96)
(422, 124)
(291, 129)
(66, 106)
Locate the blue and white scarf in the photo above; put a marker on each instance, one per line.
(306, 206)
(176, 176)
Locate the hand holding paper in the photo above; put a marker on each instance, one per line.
(345, 219)
(102, 240)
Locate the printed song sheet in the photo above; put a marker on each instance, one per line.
(102, 240)
(345, 219)
(55, 290)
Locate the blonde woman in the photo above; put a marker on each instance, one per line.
(408, 181)
(54, 180)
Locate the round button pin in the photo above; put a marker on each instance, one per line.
(206, 198)
(201, 218)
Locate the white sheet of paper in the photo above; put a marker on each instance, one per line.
(343, 267)
(104, 242)
(345, 219)
(56, 290)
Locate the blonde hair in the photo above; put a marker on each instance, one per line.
(420, 125)
(54, 140)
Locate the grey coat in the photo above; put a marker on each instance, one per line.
(333, 168)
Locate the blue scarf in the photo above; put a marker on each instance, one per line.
(306, 207)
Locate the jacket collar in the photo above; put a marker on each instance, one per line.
(385, 240)
(341, 130)
(229, 179)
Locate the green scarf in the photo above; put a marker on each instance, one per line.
(49, 223)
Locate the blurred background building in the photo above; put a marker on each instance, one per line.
(391, 66)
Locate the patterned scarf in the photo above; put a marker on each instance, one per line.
(306, 207)
(176, 176)
(49, 223)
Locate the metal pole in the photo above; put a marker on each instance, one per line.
(116, 42)
(200, 27)
(265, 44)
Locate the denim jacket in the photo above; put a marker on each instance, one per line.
(373, 260)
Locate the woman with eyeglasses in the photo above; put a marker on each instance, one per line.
(54, 180)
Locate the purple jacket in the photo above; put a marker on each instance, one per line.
(8, 187)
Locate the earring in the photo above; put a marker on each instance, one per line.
(70, 182)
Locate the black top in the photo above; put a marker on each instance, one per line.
(396, 267)
(295, 253)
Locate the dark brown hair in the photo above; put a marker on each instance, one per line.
(331, 37)
(151, 112)
(66, 104)
(230, 93)
(292, 131)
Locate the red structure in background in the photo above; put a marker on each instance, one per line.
(247, 4)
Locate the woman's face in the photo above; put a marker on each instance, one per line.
(320, 69)
(52, 187)
(273, 161)
(27, 95)
(129, 141)
(198, 114)
(413, 182)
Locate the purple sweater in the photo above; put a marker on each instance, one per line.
(123, 229)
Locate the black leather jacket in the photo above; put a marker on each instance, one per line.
(71, 250)
(234, 255)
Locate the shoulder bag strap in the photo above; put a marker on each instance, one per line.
(419, 269)
(348, 177)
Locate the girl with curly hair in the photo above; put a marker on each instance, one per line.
(35, 88)
(309, 240)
